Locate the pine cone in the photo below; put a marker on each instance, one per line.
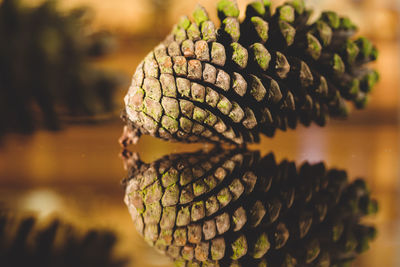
(45, 71)
(268, 72)
(25, 242)
(234, 208)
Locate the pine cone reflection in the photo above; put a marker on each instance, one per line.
(236, 208)
(27, 241)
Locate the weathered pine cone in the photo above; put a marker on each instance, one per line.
(234, 208)
(267, 72)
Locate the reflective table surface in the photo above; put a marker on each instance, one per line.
(76, 175)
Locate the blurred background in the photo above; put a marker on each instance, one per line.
(74, 173)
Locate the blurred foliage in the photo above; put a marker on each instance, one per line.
(25, 242)
(45, 70)
(160, 9)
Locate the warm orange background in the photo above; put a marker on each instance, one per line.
(75, 174)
